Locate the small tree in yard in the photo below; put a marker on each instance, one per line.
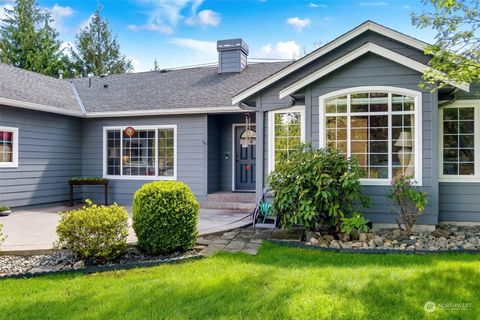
(316, 187)
(411, 203)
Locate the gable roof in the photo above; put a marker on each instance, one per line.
(366, 48)
(191, 90)
(364, 27)
(26, 89)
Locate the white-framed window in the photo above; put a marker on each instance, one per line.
(8, 147)
(149, 154)
(380, 126)
(459, 143)
(286, 131)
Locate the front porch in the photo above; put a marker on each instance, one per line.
(231, 165)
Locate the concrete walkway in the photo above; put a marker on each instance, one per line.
(32, 229)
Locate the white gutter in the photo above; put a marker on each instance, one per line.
(39, 107)
(154, 112)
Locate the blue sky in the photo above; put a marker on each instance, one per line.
(182, 32)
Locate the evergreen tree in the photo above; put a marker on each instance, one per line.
(97, 51)
(28, 41)
(155, 65)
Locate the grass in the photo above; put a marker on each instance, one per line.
(279, 283)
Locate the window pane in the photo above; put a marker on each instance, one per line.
(6, 146)
(166, 152)
(378, 102)
(458, 141)
(359, 102)
(288, 133)
(138, 156)
(113, 152)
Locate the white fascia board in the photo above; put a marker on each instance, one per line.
(154, 112)
(369, 25)
(366, 48)
(39, 107)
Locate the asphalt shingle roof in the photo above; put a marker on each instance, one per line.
(185, 88)
(26, 86)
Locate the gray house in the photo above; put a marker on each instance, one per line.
(222, 129)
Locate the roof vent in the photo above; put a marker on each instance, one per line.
(232, 55)
(105, 85)
(164, 70)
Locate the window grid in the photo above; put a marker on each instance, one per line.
(458, 147)
(6, 146)
(367, 109)
(150, 152)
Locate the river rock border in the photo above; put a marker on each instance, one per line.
(447, 238)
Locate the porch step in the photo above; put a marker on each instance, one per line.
(231, 197)
(225, 205)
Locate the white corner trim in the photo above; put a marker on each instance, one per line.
(38, 107)
(79, 100)
(417, 95)
(366, 48)
(271, 131)
(14, 163)
(149, 178)
(369, 25)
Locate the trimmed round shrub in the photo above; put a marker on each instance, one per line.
(94, 233)
(165, 217)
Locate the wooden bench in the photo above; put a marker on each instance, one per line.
(79, 182)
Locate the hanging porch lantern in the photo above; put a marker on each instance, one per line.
(248, 136)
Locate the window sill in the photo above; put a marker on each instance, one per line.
(461, 180)
(141, 178)
(8, 165)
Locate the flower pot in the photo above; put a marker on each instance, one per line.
(5, 213)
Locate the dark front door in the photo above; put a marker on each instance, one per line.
(244, 160)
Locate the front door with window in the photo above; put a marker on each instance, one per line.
(244, 158)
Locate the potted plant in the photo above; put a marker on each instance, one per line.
(4, 210)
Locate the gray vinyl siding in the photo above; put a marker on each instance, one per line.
(213, 154)
(49, 154)
(459, 201)
(368, 70)
(232, 61)
(191, 155)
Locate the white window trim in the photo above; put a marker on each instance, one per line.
(461, 178)
(151, 178)
(380, 89)
(14, 163)
(271, 131)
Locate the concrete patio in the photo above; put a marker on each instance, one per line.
(32, 229)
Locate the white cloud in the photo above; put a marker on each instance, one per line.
(280, 50)
(197, 45)
(406, 6)
(298, 23)
(316, 5)
(58, 15)
(151, 27)
(4, 6)
(84, 23)
(373, 4)
(137, 65)
(164, 15)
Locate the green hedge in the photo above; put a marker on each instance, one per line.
(96, 233)
(165, 217)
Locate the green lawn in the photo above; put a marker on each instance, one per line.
(279, 283)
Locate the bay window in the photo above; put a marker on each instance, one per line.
(459, 148)
(8, 147)
(147, 152)
(286, 133)
(381, 128)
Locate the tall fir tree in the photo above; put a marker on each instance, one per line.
(97, 51)
(28, 41)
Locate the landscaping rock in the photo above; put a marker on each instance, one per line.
(378, 240)
(328, 237)
(354, 235)
(323, 243)
(334, 244)
(79, 265)
(313, 240)
(439, 232)
(362, 237)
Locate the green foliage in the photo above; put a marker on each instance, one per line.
(165, 217)
(88, 179)
(356, 221)
(96, 233)
(2, 236)
(456, 52)
(28, 41)
(4, 208)
(410, 201)
(97, 51)
(316, 187)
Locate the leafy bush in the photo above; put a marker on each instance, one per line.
(4, 208)
(165, 217)
(356, 221)
(2, 236)
(96, 233)
(316, 187)
(411, 202)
